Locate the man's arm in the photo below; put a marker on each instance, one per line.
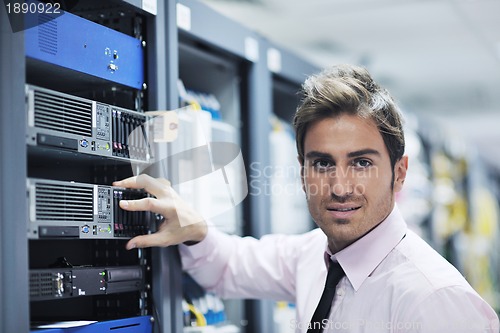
(232, 266)
(245, 267)
(450, 309)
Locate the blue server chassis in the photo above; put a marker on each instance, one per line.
(75, 43)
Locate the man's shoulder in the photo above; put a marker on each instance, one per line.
(415, 261)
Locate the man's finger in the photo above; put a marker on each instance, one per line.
(130, 182)
(152, 186)
(164, 181)
(146, 241)
(157, 187)
(145, 204)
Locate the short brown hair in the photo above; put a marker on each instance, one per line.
(347, 89)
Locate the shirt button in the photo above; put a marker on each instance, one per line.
(340, 292)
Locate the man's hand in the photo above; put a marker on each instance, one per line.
(181, 224)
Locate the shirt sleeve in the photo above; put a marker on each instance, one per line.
(245, 267)
(451, 309)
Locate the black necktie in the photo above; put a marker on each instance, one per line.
(335, 273)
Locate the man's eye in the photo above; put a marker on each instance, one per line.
(322, 164)
(362, 163)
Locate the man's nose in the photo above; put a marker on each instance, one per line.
(342, 182)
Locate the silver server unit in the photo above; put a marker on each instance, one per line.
(63, 121)
(59, 209)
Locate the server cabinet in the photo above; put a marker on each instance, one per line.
(48, 95)
(288, 73)
(90, 85)
(221, 61)
(289, 212)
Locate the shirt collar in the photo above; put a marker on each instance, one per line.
(360, 259)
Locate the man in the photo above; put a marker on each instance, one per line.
(350, 146)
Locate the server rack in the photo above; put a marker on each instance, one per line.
(163, 95)
(288, 72)
(114, 46)
(21, 256)
(220, 57)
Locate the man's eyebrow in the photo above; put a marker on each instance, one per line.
(357, 153)
(362, 152)
(318, 154)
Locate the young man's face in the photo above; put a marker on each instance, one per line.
(347, 177)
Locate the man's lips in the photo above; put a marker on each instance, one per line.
(343, 207)
(342, 211)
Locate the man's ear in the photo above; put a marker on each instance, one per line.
(400, 169)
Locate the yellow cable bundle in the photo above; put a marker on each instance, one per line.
(195, 105)
(200, 318)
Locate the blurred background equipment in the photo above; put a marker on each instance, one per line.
(439, 58)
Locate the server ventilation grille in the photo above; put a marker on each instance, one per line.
(62, 113)
(64, 202)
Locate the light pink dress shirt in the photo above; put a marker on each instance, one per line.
(395, 282)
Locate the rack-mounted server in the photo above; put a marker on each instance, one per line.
(60, 209)
(62, 121)
(57, 283)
